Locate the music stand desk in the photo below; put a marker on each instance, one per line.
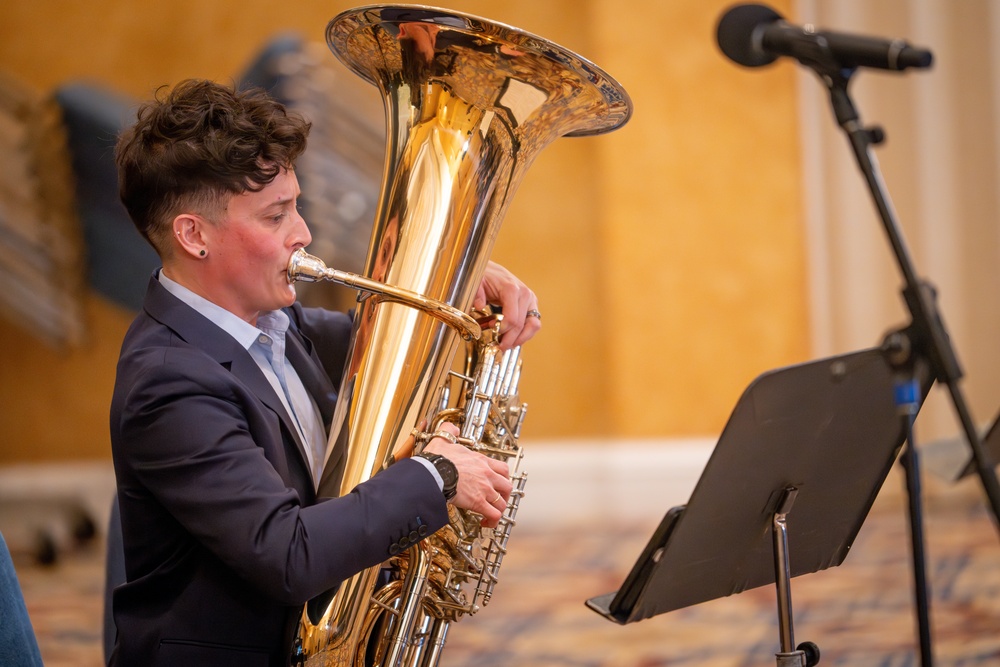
(829, 432)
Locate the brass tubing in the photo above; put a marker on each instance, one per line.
(308, 268)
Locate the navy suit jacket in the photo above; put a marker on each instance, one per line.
(224, 537)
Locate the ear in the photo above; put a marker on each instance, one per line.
(190, 235)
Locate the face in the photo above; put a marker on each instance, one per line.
(249, 248)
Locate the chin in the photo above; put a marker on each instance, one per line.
(289, 297)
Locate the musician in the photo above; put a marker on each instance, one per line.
(225, 388)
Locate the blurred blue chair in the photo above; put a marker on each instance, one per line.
(119, 261)
(18, 646)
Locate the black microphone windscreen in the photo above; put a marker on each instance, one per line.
(735, 34)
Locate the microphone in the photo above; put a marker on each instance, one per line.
(756, 35)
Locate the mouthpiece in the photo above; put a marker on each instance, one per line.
(306, 268)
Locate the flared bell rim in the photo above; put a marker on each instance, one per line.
(617, 100)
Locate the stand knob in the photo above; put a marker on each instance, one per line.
(811, 651)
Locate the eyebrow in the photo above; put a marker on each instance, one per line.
(279, 203)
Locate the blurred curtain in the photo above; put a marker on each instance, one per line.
(940, 162)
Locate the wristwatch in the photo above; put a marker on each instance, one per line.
(448, 472)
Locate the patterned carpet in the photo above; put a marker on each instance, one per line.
(859, 614)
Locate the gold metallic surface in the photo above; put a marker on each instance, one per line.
(306, 268)
(469, 104)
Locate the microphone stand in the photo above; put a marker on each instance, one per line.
(924, 340)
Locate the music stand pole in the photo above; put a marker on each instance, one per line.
(807, 654)
(907, 398)
(927, 333)
(782, 576)
(920, 586)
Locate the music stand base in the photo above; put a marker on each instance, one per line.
(793, 659)
(806, 655)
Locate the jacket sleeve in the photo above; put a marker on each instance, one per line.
(205, 449)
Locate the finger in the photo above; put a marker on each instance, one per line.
(443, 440)
(498, 501)
(490, 507)
(491, 516)
(532, 325)
(499, 494)
(499, 467)
(448, 427)
(500, 286)
(479, 302)
(512, 303)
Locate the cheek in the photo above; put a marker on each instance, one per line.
(259, 255)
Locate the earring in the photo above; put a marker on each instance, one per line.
(202, 253)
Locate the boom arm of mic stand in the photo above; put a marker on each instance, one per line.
(927, 328)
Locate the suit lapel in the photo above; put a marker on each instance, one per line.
(311, 372)
(246, 369)
(298, 349)
(197, 330)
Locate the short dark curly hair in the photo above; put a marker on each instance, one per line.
(197, 144)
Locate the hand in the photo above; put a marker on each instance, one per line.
(484, 483)
(503, 288)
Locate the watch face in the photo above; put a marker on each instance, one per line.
(449, 475)
(448, 472)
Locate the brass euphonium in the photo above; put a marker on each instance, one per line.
(469, 104)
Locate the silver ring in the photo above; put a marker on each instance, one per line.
(534, 313)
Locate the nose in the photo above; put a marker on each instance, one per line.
(302, 236)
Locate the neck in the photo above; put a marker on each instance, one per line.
(193, 281)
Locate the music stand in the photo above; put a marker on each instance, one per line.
(785, 492)
(991, 444)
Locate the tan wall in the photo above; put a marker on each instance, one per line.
(701, 221)
(668, 256)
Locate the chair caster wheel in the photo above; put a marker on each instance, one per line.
(45, 550)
